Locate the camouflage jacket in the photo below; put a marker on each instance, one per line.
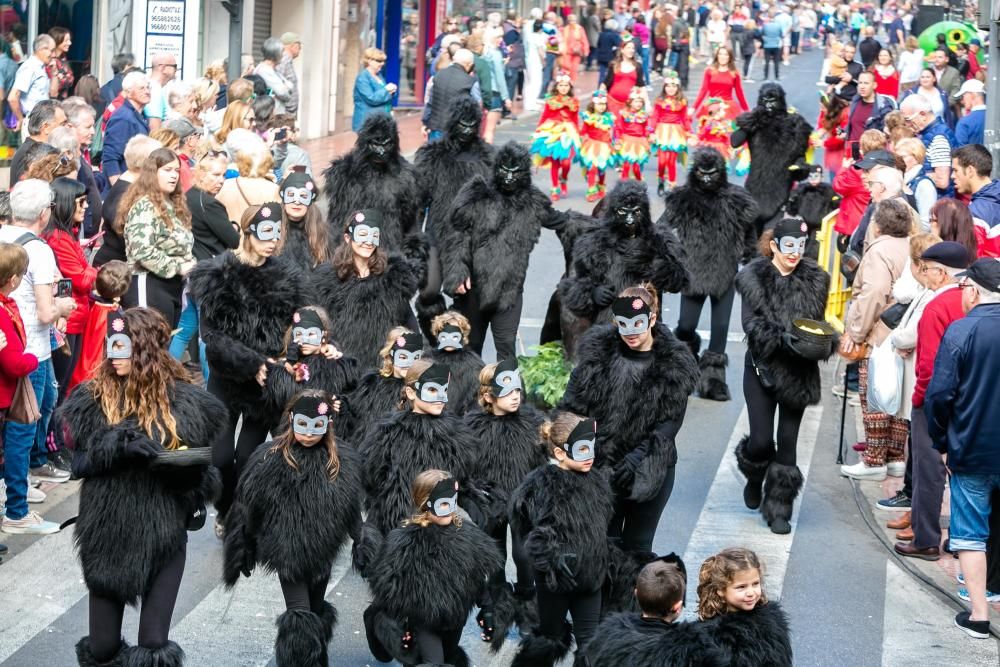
(152, 246)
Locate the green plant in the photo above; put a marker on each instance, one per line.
(546, 373)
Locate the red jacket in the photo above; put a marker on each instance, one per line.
(664, 111)
(14, 361)
(848, 184)
(92, 346)
(73, 264)
(941, 311)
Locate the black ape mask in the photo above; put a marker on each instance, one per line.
(378, 139)
(464, 119)
(512, 169)
(708, 171)
(772, 99)
(628, 208)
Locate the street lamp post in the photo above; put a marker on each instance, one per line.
(235, 9)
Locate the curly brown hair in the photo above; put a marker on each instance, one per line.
(455, 318)
(283, 443)
(147, 185)
(51, 167)
(143, 393)
(716, 574)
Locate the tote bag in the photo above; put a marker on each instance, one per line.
(885, 379)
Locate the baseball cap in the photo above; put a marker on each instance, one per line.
(949, 253)
(182, 127)
(290, 38)
(876, 158)
(970, 86)
(975, 40)
(984, 272)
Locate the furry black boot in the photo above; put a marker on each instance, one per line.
(781, 486)
(168, 655)
(713, 376)
(693, 341)
(85, 658)
(328, 614)
(541, 651)
(525, 607)
(754, 471)
(300, 640)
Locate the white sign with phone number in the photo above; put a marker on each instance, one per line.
(165, 29)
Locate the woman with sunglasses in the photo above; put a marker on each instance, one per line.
(69, 206)
(371, 92)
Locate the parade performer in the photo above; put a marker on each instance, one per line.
(714, 221)
(777, 137)
(812, 200)
(246, 299)
(560, 513)
(626, 249)
(777, 289)
(451, 331)
(634, 377)
(715, 131)
(721, 81)
(557, 138)
(305, 235)
(670, 129)
(632, 136)
(596, 152)
(485, 243)
(431, 573)
(746, 626)
(298, 503)
(366, 289)
(375, 175)
(128, 426)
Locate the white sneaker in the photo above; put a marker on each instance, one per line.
(31, 524)
(896, 468)
(36, 495)
(49, 473)
(860, 471)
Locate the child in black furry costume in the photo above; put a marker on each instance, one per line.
(735, 611)
(368, 290)
(429, 575)
(135, 507)
(304, 472)
(776, 290)
(626, 249)
(778, 137)
(812, 200)
(634, 378)
(561, 512)
(654, 637)
(306, 240)
(714, 221)
(451, 346)
(485, 242)
(246, 298)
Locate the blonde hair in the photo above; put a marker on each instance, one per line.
(872, 140)
(167, 138)
(913, 146)
(138, 149)
(370, 54)
(452, 317)
(423, 484)
(717, 572)
(921, 242)
(385, 354)
(205, 90)
(555, 432)
(236, 112)
(486, 387)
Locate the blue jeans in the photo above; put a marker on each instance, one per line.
(548, 72)
(602, 71)
(188, 329)
(970, 510)
(645, 55)
(24, 444)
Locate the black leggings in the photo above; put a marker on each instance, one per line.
(436, 647)
(722, 309)
(761, 406)
(503, 324)
(63, 364)
(154, 615)
(585, 608)
(635, 523)
(525, 575)
(231, 462)
(772, 55)
(161, 294)
(299, 595)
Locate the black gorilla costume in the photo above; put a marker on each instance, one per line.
(334, 376)
(630, 639)
(625, 250)
(812, 200)
(714, 221)
(131, 532)
(487, 237)
(777, 137)
(463, 389)
(560, 324)
(374, 175)
(294, 522)
(374, 397)
(753, 638)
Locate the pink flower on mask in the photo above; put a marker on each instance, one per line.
(322, 408)
(637, 304)
(118, 325)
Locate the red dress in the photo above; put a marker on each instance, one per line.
(887, 85)
(621, 87)
(632, 135)
(557, 136)
(670, 125)
(722, 85)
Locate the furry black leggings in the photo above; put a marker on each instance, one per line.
(525, 575)
(722, 309)
(436, 647)
(503, 324)
(761, 406)
(300, 595)
(635, 523)
(154, 616)
(585, 608)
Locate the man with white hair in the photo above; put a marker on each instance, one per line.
(448, 85)
(938, 141)
(161, 72)
(82, 119)
(180, 100)
(40, 308)
(127, 122)
(960, 408)
(31, 84)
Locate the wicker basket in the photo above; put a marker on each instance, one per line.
(814, 346)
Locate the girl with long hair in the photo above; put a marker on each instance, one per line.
(306, 235)
(734, 606)
(246, 298)
(632, 136)
(670, 124)
(721, 81)
(138, 429)
(556, 140)
(368, 289)
(886, 74)
(238, 114)
(831, 132)
(451, 346)
(625, 73)
(560, 513)
(634, 377)
(298, 503)
(951, 220)
(596, 152)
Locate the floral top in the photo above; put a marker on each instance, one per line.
(152, 246)
(59, 71)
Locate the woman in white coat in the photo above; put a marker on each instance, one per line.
(534, 58)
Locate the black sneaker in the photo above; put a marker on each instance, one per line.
(898, 502)
(977, 629)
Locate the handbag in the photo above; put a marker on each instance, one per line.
(893, 315)
(24, 406)
(885, 379)
(763, 374)
(860, 351)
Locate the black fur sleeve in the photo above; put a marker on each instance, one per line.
(763, 334)
(228, 357)
(454, 234)
(416, 249)
(576, 290)
(745, 124)
(99, 446)
(376, 448)
(401, 274)
(573, 399)
(240, 546)
(747, 206)
(667, 271)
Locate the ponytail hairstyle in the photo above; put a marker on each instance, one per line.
(385, 354)
(413, 374)
(717, 572)
(555, 432)
(283, 443)
(421, 492)
(648, 293)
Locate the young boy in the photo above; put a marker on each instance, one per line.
(112, 282)
(654, 638)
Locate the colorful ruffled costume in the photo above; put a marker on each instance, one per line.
(671, 126)
(632, 137)
(597, 153)
(714, 132)
(556, 140)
